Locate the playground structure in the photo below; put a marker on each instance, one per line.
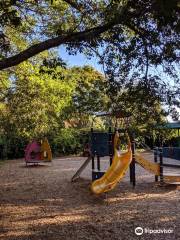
(171, 152)
(105, 144)
(117, 169)
(158, 167)
(171, 148)
(38, 152)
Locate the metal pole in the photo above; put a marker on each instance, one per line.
(155, 160)
(133, 164)
(130, 172)
(110, 146)
(161, 165)
(92, 154)
(131, 168)
(98, 163)
(92, 163)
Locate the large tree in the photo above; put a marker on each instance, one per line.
(48, 24)
(133, 39)
(36, 99)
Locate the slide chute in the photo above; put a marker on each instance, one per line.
(117, 169)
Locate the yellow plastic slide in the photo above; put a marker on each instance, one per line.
(155, 169)
(116, 171)
(149, 166)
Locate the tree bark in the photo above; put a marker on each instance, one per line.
(67, 39)
(54, 42)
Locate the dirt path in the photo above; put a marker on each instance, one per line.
(39, 203)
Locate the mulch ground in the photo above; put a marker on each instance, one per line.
(39, 203)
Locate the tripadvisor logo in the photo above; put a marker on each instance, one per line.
(139, 231)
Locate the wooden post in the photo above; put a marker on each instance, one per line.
(161, 165)
(155, 160)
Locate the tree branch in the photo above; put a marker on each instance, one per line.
(74, 4)
(50, 43)
(57, 41)
(141, 33)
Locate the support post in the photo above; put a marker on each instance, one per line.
(93, 166)
(92, 163)
(155, 160)
(98, 163)
(132, 165)
(130, 172)
(161, 165)
(110, 147)
(131, 169)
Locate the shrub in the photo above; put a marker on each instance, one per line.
(68, 141)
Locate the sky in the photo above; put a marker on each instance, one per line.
(79, 59)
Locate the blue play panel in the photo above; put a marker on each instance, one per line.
(99, 143)
(171, 152)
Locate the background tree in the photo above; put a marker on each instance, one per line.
(137, 42)
(88, 98)
(133, 39)
(38, 100)
(48, 98)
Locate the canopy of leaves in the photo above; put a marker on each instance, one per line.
(134, 40)
(38, 99)
(46, 97)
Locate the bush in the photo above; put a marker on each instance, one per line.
(12, 148)
(68, 141)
